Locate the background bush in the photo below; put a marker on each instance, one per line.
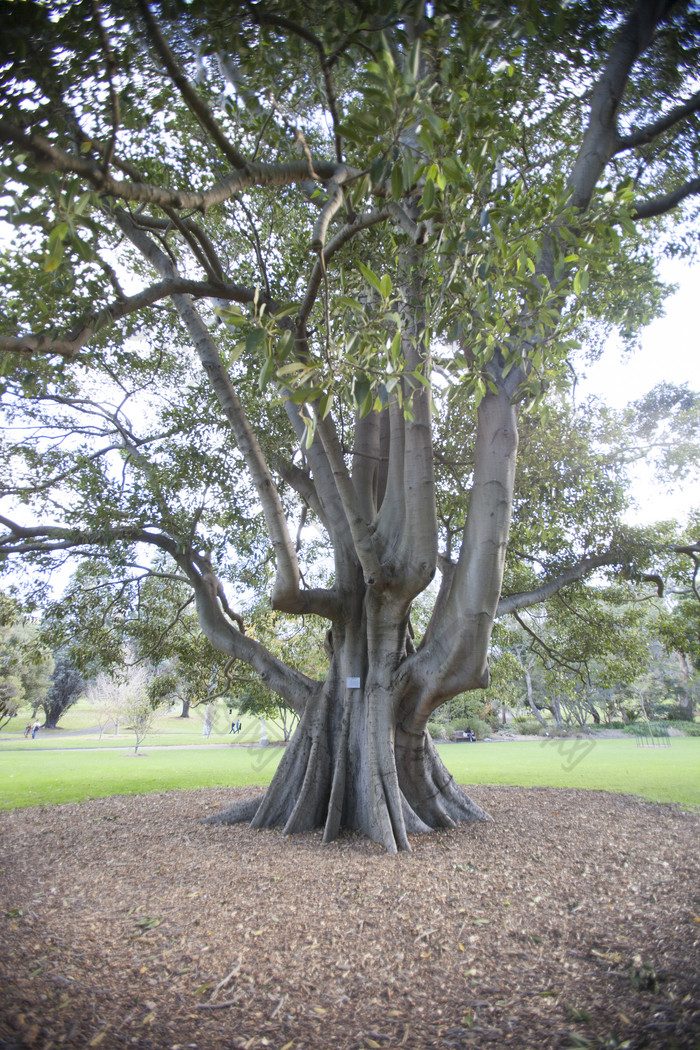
(479, 727)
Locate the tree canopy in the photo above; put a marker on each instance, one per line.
(280, 288)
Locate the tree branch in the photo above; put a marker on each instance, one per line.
(333, 204)
(302, 484)
(191, 98)
(38, 539)
(647, 134)
(110, 67)
(666, 202)
(526, 599)
(359, 223)
(551, 653)
(601, 136)
(69, 345)
(286, 593)
(293, 686)
(281, 21)
(51, 158)
(361, 536)
(333, 514)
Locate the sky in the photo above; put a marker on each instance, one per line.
(670, 346)
(670, 351)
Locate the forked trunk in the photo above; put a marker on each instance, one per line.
(349, 765)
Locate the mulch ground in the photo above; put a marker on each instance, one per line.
(571, 920)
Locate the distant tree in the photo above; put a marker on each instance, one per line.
(25, 662)
(124, 694)
(67, 684)
(102, 612)
(299, 643)
(679, 634)
(101, 704)
(252, 698)
(138, 709)
(105, 698)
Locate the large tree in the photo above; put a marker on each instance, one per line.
(25, 661)
(66, 687)
(279, 286)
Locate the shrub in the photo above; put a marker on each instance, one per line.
(679, 713)
(479, 727)
(459, 723)
(688, 728)
(527, 726)
(436, 730)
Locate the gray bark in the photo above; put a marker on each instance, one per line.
(360, 757)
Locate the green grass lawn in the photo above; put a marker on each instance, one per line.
(36, 776)
(31, 778)
(662, 774)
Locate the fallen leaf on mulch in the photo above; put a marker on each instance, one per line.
(570, 920)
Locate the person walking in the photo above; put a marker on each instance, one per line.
(35, 728)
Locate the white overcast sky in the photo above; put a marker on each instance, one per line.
(670, 352)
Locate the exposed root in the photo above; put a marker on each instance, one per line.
(430, 790)
(398, 787)
(239, 813)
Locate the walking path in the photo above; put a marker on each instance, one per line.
(8, 743)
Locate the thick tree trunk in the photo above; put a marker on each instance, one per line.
(185, 713)
(349, 765)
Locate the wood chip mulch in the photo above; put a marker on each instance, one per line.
(572, 920)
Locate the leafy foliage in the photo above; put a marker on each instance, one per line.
(278, 289)
(25, 662)
(66, 687)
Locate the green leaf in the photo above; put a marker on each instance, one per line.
(428, 195)
(287, 310)
(232, 316)
(581, 279)
(378, 171)
(361, 389)
(58, 233)
(52, 260)
(291, 369)
(413, 64)
(285, 345)
(409, 172)
(82, 203)
(256, 340)
(324, 405)
(395, 349)
(349, 304)
(82, 249)
(366, 406)
(385, 286)
(397, 182)
(627, 225)
(266, 373)
(421, 379)
(370, 277)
